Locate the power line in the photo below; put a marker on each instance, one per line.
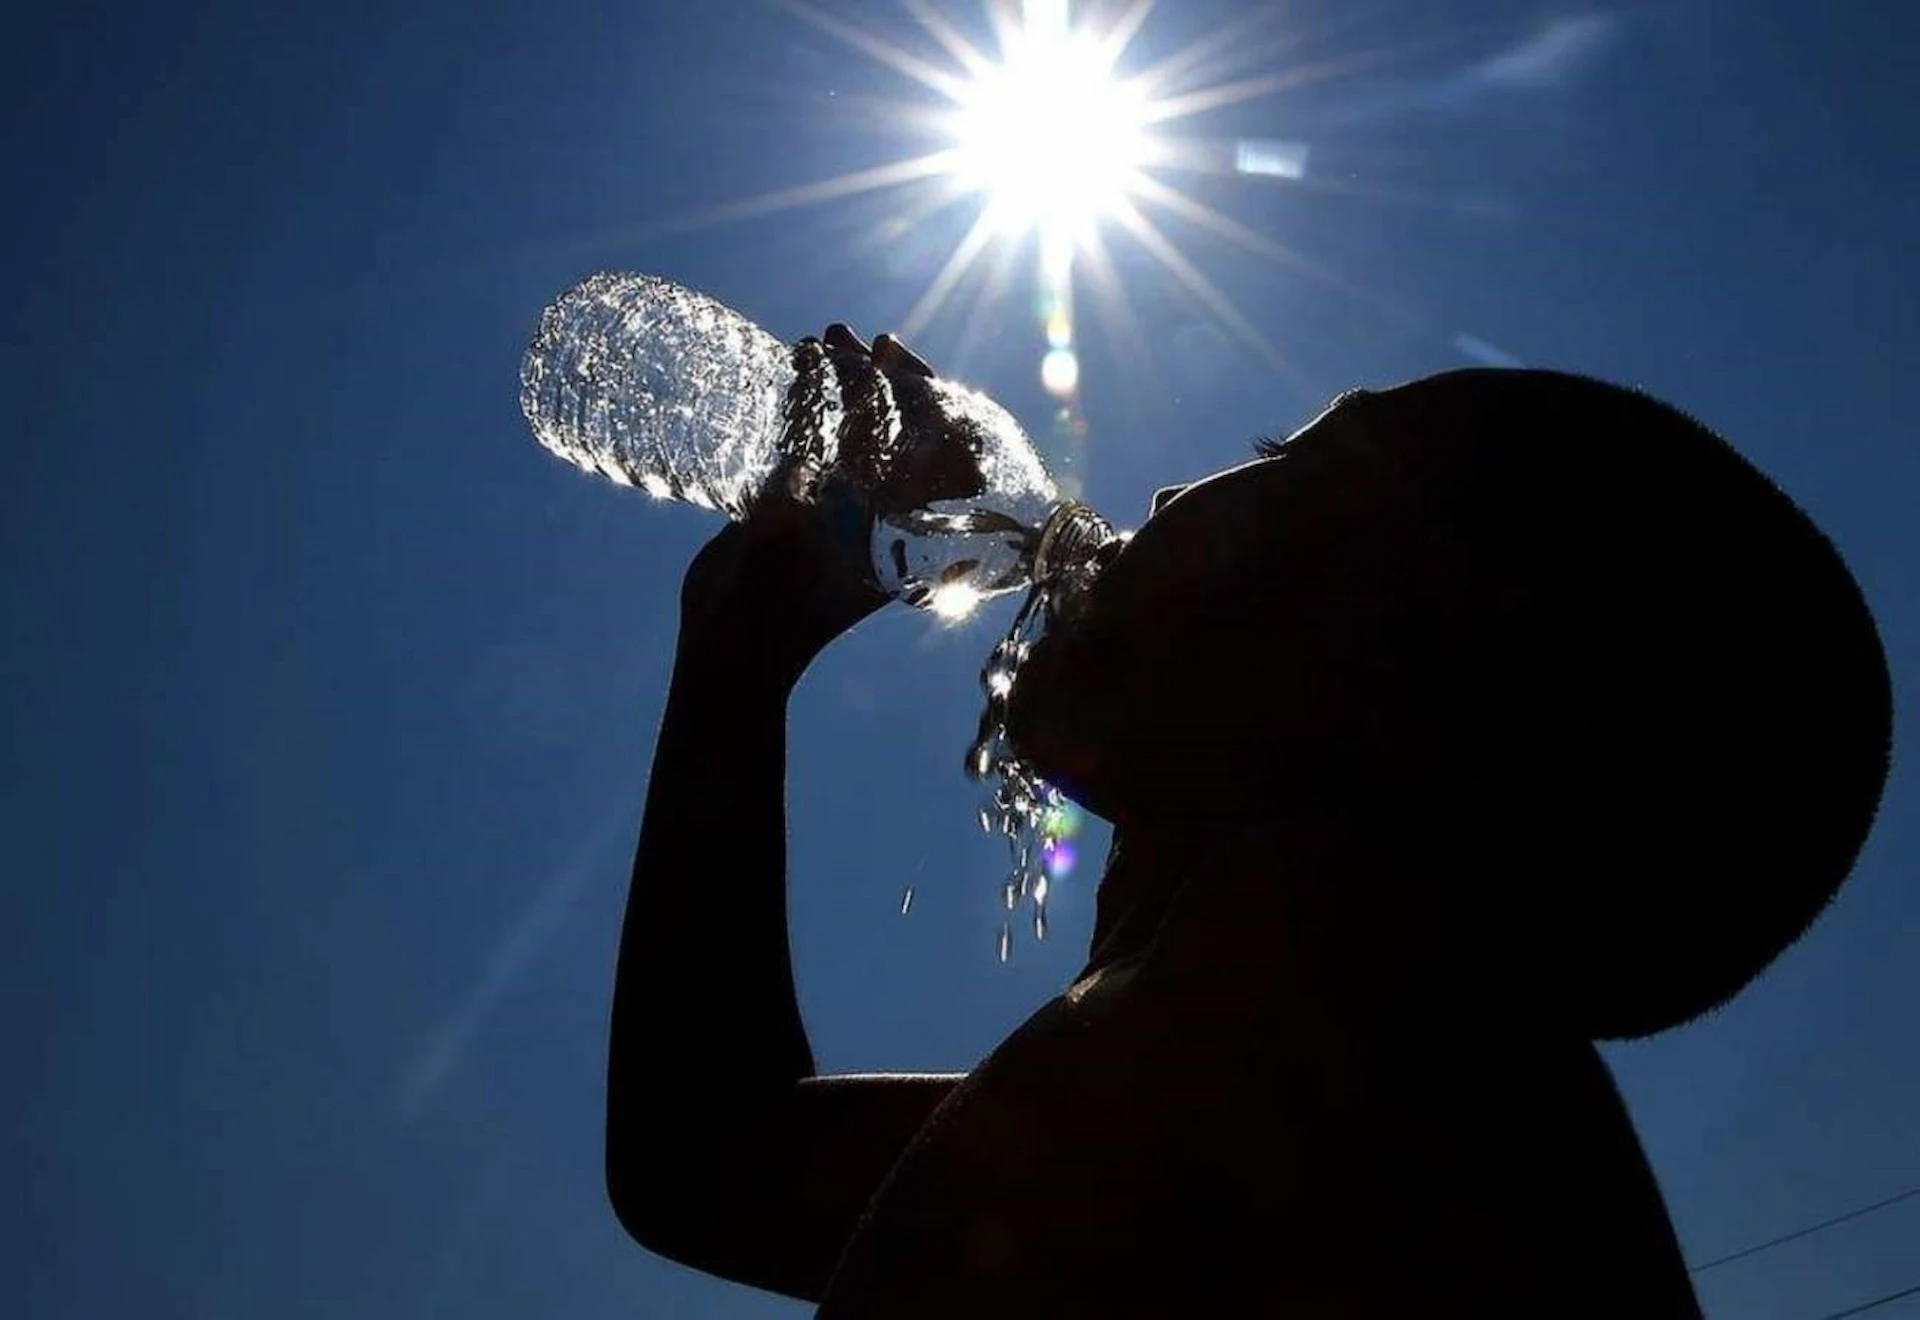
(1798, 1233)
(1868, 1306)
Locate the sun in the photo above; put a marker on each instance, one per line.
(1064, 139)
(1051, 136)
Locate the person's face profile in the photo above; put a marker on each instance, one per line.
(1177, 655)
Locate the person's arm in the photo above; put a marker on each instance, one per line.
(724, 1151)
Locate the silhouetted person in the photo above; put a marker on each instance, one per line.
(1485, 717)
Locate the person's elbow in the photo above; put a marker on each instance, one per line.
(675, 1208)
(652, 1200)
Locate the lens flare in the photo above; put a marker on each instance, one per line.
(1064, 821)
(954, 602)
(1060, 373)
(1059, 329)
(1058, 852)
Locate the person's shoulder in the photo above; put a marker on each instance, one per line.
(1067, 1174)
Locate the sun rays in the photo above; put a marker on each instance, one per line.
(1075, 152)
(1062, 146)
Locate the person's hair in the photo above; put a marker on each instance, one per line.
(1677, 712)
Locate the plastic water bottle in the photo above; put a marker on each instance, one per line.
(656, 386)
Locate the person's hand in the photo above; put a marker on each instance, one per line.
(939, 431)
(772, 590)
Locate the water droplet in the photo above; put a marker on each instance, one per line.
(1024, 809)
(906, 901)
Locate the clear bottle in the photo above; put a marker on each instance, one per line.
(659, 387)
(656, 386)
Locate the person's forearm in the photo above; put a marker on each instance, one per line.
(705, 1018)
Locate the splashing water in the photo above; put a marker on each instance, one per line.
(1034, 817)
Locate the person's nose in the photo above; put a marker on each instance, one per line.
(1161, 496)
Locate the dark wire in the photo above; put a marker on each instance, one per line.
(1868, 1306)
(1798, 1233)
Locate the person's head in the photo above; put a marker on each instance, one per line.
(1558, 641)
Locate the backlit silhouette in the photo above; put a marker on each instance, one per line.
(1484, 718)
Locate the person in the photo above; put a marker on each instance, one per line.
(1485, 717)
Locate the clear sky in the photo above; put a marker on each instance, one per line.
(328, 697)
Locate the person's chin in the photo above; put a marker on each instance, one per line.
(1031, 702)
(1048, 725)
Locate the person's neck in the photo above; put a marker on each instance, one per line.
(1328, 870)
(1145, 868)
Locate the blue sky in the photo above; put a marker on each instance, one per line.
(329, 697)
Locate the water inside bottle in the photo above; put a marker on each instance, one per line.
(653, 385)
(960, 502)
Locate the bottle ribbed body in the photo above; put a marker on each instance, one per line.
(653, 385)
(659, 387)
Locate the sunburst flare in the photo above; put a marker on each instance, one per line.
(1062, 142)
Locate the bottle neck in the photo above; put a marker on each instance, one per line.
(1070, 537)
(1074, 545)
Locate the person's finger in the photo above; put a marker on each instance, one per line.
(840, 335)
(890, 355)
